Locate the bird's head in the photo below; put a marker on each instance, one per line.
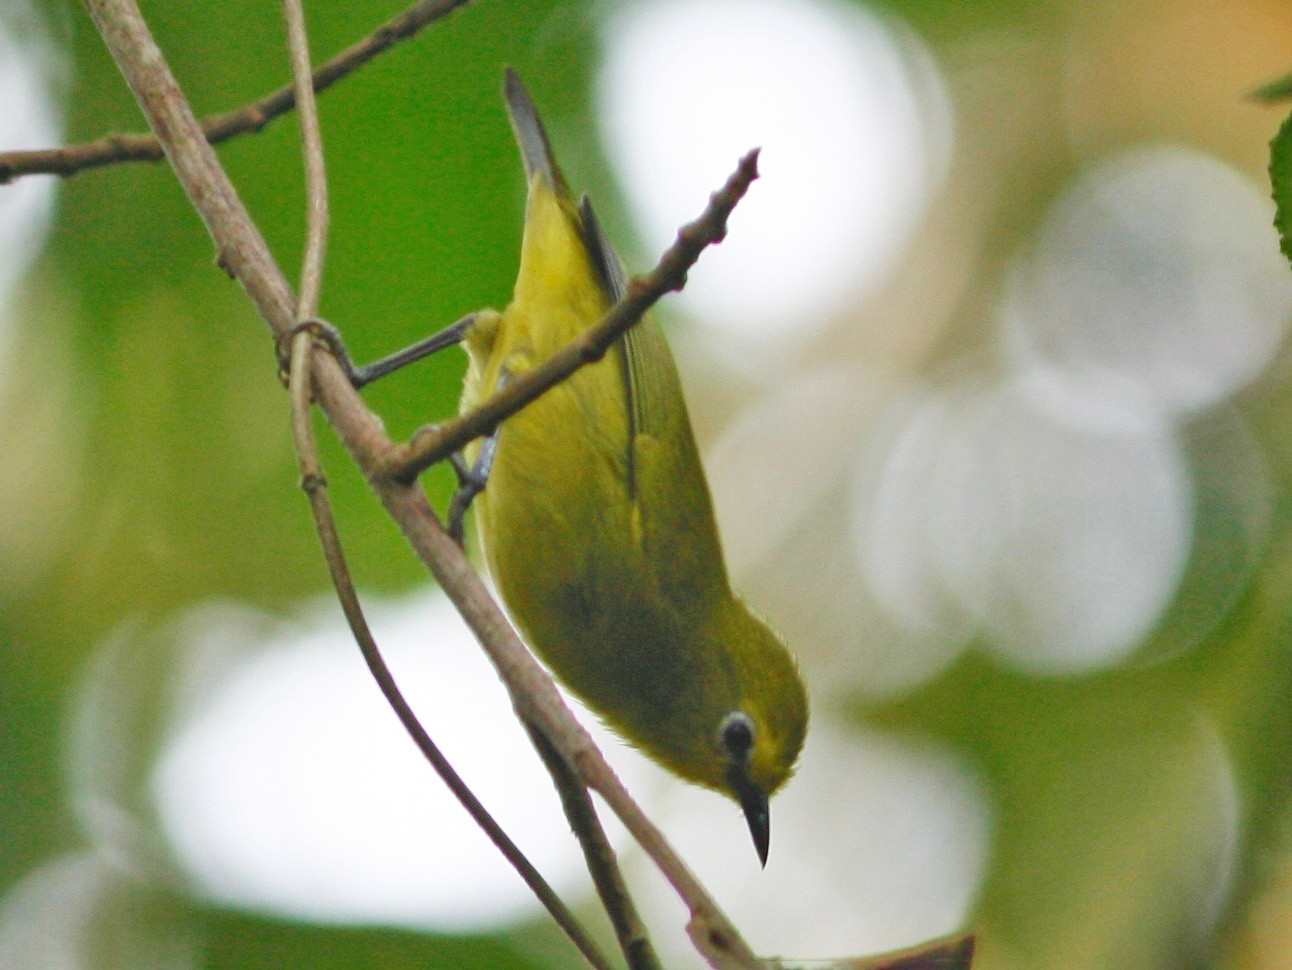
(758, 740)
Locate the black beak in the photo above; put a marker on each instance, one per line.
(757, 814)
(737, 737)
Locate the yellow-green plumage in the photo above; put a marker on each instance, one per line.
(597, 524)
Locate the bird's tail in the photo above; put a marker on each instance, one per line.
(531, 136)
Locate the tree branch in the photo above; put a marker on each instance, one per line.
(243, 253)
(599, 856)
(144, 147)
(435, 443)
(314, 485)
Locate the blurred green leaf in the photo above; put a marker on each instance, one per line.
(242, 942)
(1279, 90)
(181, 485)
(1281, 181)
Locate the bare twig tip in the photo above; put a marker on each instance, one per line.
(114, 148)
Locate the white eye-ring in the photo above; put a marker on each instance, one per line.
(737, 734)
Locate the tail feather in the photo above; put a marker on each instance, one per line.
(531, 136)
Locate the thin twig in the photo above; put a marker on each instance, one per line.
(948, 953)
(435, 443)
(315, 486)
(144, 147)
(316, 216)
(600, 857)
(244, 255)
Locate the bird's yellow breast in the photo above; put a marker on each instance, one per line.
(597, 524)
(556, 519)
(558, 524)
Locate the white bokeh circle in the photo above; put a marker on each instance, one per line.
(1155, 287)
(31, 75)
(853, 123)
(290, 787)
(981, 514)
(877, 843)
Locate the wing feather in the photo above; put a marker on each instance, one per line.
(666, 478)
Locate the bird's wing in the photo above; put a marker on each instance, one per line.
(666, 479)
(666, 483)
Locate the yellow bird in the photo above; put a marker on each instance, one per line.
(597, 525)
(596, 521)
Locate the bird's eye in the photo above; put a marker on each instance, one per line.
(737, 733)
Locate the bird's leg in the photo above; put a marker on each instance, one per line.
(471, 482)
(473, 479)
(330, 337)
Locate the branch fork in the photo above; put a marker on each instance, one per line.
(392, 469)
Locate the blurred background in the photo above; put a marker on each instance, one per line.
(992, 384)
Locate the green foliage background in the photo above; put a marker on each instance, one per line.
(181, 482)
